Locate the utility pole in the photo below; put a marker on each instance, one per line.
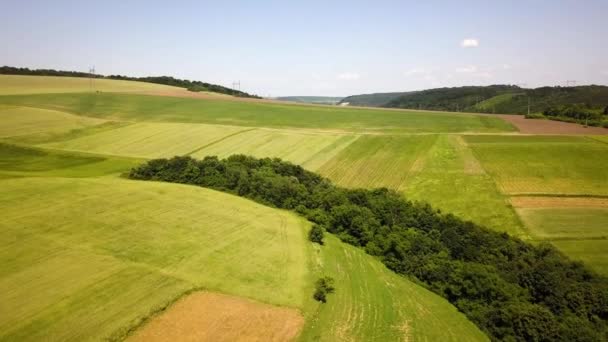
(528, 105)
(91, 77)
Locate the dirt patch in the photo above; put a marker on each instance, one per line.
(559, 202)
(536, 126)
(206, 316)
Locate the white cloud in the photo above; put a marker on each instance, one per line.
(467, 69)
(349, 76)
(506, 66)
(416, 71)
(605, 72)
(469, 43)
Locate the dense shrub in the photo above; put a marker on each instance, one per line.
(323, 287)
(316, 234)
(511, 289)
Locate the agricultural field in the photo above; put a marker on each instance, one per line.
(82, 246)
(375, 304)
(18, 84)
(129, 107)
(134, 248)
(544, 164)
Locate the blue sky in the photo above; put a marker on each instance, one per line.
(316, 47)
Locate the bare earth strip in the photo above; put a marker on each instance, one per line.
(535, 126)
(206, 316)
(558, 202)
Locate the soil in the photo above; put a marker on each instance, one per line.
(207, 316)
(537, 126)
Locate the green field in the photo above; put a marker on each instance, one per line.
(372, 303)
(451, 179)
(256, 113)
(100, 254)
(17, 84)
(591, 252)
(377, 161)
(544, 165)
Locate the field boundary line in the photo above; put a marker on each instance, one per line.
(219, 140)
(533, 194)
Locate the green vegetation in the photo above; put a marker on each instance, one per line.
(101, 254)
(20, 161)
(582, 114)
(547, 297)
(163, 80)
(377, 161)
(450, 178)
(371, 303)
(544, 165)
(309, 149)
(504, 99)
(316, 234)
(323, 287)
(254, 114)
(580, 233)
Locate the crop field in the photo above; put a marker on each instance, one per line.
(450, 178)
(17, 84)
(375, 304)
(20, 121)
(309, 149)
(102, 253)
(149, 140)
(544, 165)
(377, 161)
(257, 113)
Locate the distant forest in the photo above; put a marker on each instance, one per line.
(166, 80)
(499, 99)
(513, 290)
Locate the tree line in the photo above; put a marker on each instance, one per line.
(512, 290)
(165, 80)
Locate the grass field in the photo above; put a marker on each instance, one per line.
(377, 161)
(20, 161)
(149, 140)
(20, 121)
(546, 165)
(372, 303)
(258, 114)
(591, 252)
(100, 254)
(309, 149)
(450, 178)
(18, 84)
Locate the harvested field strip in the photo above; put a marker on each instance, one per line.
(102, 254)
(149, 140)
(377, 161)
(308, 149)
(559, 202)
(452, 180)
(207, 316)
(372, 303)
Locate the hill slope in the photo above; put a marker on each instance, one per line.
(311, 99)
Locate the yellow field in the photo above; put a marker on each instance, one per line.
(18, 84)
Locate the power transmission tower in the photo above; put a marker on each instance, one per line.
(236, 85)
(91, 77)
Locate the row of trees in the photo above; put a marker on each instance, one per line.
(166, 80)
(511, 289)
(577, 113)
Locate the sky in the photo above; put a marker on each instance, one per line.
(329, 48)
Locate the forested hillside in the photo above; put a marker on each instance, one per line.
(500, 99)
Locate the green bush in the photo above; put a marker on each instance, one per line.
(316, 234)
(323, 287)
